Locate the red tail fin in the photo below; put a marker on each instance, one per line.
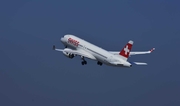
(126, 50)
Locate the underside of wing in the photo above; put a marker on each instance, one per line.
(81, 53)
(76, 52)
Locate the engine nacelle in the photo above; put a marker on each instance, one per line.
(69, 55)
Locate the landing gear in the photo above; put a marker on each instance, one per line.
(99, 63)
(84, 61)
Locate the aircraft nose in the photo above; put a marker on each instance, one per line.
(63, 39)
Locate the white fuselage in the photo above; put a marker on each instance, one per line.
(100, 54)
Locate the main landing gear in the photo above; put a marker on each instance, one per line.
(84, 62)
(99, 63)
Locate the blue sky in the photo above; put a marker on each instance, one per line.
(32, 74)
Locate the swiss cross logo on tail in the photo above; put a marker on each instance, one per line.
(126, 50)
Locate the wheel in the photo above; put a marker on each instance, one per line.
(71, 56)
(82, 62)
(99, 63)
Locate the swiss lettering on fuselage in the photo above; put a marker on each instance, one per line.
(73, 41)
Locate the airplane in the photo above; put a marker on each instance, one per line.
(75, 46)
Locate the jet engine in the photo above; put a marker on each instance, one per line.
(69, 55)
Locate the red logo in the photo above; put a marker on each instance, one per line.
(72, 41)
(126, 50)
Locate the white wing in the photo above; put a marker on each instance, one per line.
(76, 52)
(134, 53)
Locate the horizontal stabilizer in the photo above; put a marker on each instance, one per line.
(138, 63)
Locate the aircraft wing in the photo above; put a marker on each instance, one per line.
(76, 52)
(134, 53)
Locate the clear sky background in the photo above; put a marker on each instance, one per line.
(32, 74)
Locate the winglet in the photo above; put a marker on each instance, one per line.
(54, 47)
(152, 49)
